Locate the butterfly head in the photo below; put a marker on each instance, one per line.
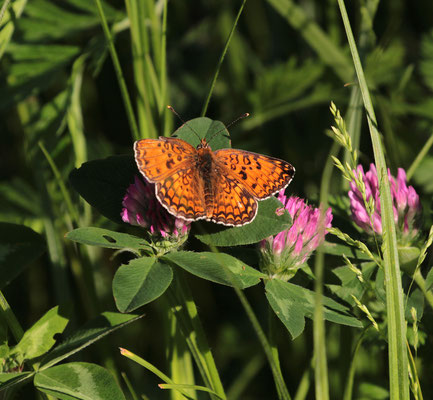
(203, 144)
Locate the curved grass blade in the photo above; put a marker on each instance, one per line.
(398, 363)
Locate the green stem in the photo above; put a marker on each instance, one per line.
(72, 210)
(351, 374)
(273, 340)
(119, 73)
(183, 306)
(319, 334)
(419, 157)
(283, 393)
(206, 103)
(3, 9)
(10, 319)
(419, 279)
(397, 353)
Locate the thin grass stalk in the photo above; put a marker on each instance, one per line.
(150, 367)
(351, 374)
(181, 368)
(76, 126)
(283, 393)
(73, 213)
(54, 243)
(397, 352)
(304, 383)
(319, 334)
(273, 340)
(354, 122)
(11, 320)
(220, 62)
(420, 281)
(415, 164)
(155, 31)
(243, 380)
(164, 114)
(129, 386)
(163, 69)
(355, 110)
(183, 306)
(119, 74)
(416, 387)
(139, 16)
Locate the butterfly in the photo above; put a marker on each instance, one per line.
(222, 186)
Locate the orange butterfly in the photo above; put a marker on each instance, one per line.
(222, 186)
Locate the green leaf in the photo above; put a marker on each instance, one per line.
(198, 128)
(266, 223)
(78, 380)
(372, 391)
(140, 282)
(91, 332)
(106, 238)
(19, 246)
(292, 303)
(216, 267)
(416, 300)
(408, 257)
(7, 26)
(103, 183)
(9, 379)
(337, 249)
(350, 284)
(40, 337)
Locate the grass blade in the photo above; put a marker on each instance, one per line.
(119, 74)
(220, 62)
(398, 364)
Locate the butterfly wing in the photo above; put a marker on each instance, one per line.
(159, 158)
(182, 194)
(170, 164)
(233, 204)
(261, 175)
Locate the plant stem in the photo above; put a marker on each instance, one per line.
(183, 306)
(220, 62)
(415, 164)
(419, 279)
(283, 393)
(10, 319)
(398, 364)
(119, 73)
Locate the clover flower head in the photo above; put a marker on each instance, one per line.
(285, 252)
(405, 201)
(142, 208)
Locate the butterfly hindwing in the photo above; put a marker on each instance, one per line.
(182, 194)
(233, 204)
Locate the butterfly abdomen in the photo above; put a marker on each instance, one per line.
(206, 167)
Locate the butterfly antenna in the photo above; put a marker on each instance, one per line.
(181, 119)
(229, 125)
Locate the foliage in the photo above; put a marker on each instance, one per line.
(80, 81)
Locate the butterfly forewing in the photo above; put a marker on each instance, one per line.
(158, 158)
(261, 175)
